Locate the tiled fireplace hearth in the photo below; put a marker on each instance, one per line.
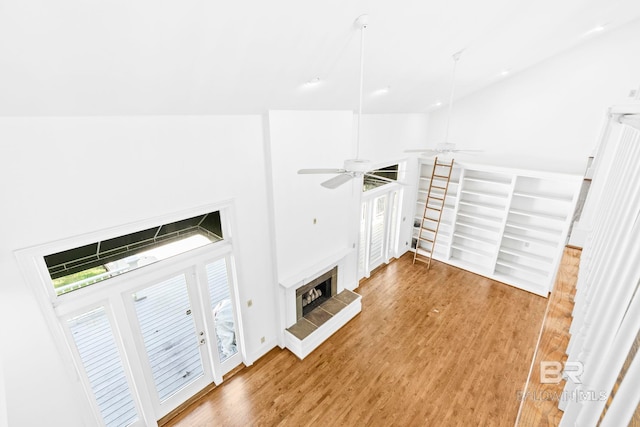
(317, 305)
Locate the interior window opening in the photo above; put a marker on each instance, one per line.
(83, 266)
(386, 173)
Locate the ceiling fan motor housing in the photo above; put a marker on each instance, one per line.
(357, 165)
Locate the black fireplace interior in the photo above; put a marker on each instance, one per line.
(316, 296)
(316, 292)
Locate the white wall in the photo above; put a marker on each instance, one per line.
(384, 139)
(310, 139)
(325, 139)
(548, 116)
(3, 397)
(62, 177)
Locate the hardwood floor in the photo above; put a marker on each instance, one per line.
(438, 348)
(540, 402)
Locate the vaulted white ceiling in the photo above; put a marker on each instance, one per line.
(124, 57)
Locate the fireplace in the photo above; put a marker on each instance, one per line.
(314, 309)
(316, 292)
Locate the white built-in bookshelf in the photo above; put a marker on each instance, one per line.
(509, 225)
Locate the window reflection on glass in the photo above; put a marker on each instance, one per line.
(93, 337)
(217, 280)
(169, 334)
(85, 265)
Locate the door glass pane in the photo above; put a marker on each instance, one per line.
(93, 337)
(393, 223)
(377, 232)
(217, 280)
(362, 253)
(169, 334)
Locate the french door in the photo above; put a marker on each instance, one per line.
(148, 340)
(378, 228)
(169, 332)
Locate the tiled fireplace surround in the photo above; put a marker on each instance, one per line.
(305, 333)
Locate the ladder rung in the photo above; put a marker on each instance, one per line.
(423, 252)
(441, 176)
(426, 261)
(428, 229)
(436, 198)
(444, 165)
(439, 188)
(434, 209)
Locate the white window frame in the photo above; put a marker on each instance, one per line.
(57, 309)
(390, 249)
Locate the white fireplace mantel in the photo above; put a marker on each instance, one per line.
(302, 347)
(311, 272)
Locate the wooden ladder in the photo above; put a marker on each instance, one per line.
(433, 206)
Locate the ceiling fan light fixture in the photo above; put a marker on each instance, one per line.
(445, 147)
(358, 165)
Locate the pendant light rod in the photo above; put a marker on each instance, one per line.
(456, 57)
(362, 22)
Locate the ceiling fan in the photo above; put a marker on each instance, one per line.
(352, 167)
(446, 147)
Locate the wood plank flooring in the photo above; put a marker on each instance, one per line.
(540, 402)
(439, 348)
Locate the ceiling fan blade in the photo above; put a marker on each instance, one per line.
(431, 153)
(425, 151)
(337, 181)
(320, 171)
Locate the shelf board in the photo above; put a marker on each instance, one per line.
(533, 228)
(479, 227)
(528, 239)
(479, 216)
(500, 196)
(534, 214)
(523, 268)
(482, 205)
(523, 254)
(556, 197)
(467, 265)
(487, 180)
(474, 238)
(527, 285)
(422, 252)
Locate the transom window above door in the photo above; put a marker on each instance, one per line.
(89, 264)
(389, 172)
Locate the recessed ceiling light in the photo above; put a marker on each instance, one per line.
(504, 73)
(437, 104)
(382, 91)
(596, 29)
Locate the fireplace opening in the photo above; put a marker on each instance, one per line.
(316, 296)
(314, 293)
